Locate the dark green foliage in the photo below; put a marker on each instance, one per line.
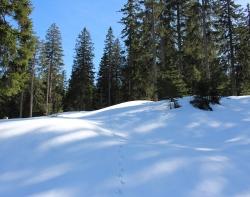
(131, 36)
(109, 76)
(228, 15)
(201, 103)
(80, 93)
(243, 54)
(16, 45)
(52, 62)
(173, 48)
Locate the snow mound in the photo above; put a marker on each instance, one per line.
(138, 148)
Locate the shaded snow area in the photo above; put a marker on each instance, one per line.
(134, 149)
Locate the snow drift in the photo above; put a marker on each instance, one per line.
(134, 149)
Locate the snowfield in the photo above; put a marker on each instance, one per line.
(135, 149)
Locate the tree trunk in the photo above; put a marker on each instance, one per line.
(21, 105)
(155, 74)
(109, 86)
(130, 66)
(232, 61)
(248, 11)
(179, 42)
(32, 88)
(51, 97)
(205, 39)
(48, 90)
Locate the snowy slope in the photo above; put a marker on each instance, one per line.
(134, 149)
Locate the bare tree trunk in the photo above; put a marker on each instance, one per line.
(179, 42)
(48, 90)
(162, 52)
(117, 92)
(51, 97)
(248, 11)
(129, 88)
(21, 105)
(109, 86)
(232, 60)
(205, 39)
(154, 48)
(130, 65)
(32, 88)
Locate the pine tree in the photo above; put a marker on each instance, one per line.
(131, 35)
(109, 82)
(243, 54)
(118, 63)
(81, 85)
(105, 75)
(53, 68)
(147, 62)
(170, 33)
(228, 15)
(178, 10)
(32, 75)
(16, 46)
(192, 46)
(212, 73)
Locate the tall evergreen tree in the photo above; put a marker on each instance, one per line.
(243, 54)
(170, 30)
(228, 15)
(131, 35)
(53, 68)
(192, 46)
(109, 80)
(105, 76)
(32, 72)
(81, 85)
(118, 63)
(16, 45)
(16, 48)
(147, 62)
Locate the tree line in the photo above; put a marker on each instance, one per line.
(170, 48)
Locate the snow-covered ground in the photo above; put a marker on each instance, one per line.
(134, 149)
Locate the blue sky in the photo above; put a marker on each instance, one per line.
(73, 16)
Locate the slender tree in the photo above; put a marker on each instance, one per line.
(32, 71)
(228, 14)
(131, 35)
(81, 85)
(105, 75)
(53, 67)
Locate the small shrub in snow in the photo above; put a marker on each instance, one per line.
(201, 103)
(174, 103)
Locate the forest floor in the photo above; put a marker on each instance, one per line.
(134, 149)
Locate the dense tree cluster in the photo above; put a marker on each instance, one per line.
(172, 48)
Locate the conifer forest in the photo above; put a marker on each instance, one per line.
(167, 49)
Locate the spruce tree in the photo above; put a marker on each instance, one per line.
(53, 69)
(192, 46)
(243, 54)
(105, 75)
(118, 63)
(140, 40)
(212, 73)
(228, 15)
(80, 94)
(33, 64)
(170, 31)
(131, 35)
(109, 82)
(17, 46)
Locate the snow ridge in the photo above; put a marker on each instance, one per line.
(138, 148)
